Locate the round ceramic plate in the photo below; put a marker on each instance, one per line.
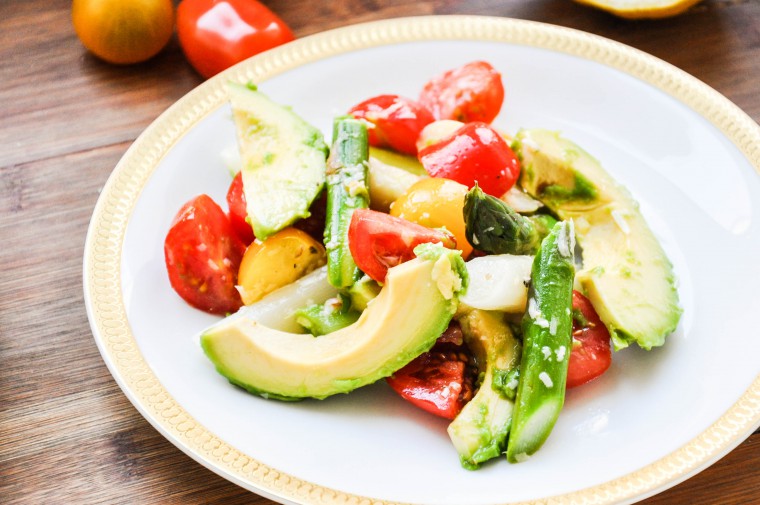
(688, 155)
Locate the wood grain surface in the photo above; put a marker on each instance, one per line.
(67, 433)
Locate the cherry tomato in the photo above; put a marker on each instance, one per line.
(473, 92)
(203, 255)
(474, 153)
(397, 121)
(591, 355)
(216, 34)
(238, 213)
(123, 31)
(435, 202)
(379, 241)
(281, 259)
(439, 381)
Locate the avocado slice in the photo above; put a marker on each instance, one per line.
(625, 273)
(283, 160)
(390, 175)
(410, 313)
(480, 431)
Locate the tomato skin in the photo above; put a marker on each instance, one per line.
(397, 121)
(437, 381)
(473, 92)
(474, 153)
(238, 213)
(436, 202)
(216, 34)
(279, 260)
(593, 356)
(203, 254)
(379, 241)
(123, 31)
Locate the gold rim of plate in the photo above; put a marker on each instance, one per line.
(102, 257)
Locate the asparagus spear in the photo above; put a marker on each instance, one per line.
(323, 318)
(547, 327)
(346, 191)
(494, 227)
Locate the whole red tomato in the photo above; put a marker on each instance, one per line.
(216, 34)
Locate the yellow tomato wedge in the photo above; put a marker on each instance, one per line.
(435, 202)
(641, 9)
(281, 259)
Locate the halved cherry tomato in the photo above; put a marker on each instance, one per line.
(216, 34)
(203, 254)
(397, 121)
(473, 92)
(435, 202)
(379, 241)
(591, 355)
(281, 259)
(474, 153)
(439, 381)
(238, 213)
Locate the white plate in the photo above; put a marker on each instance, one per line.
(687, 154)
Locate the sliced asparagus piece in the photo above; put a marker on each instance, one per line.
(323, 318)
(493, 227)
(547, 328)
(346, 191)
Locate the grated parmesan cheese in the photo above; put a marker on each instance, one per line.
(620, 221)
(561, 352)
(533, 309)
(544, 377)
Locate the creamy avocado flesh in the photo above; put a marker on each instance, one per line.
(283, 160)
(479, 432)
(625, 273)
(413, 308)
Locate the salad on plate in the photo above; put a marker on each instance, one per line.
(479, 273)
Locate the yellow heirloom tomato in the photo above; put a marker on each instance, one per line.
(435, 202)
(281, 259)
(123, 31)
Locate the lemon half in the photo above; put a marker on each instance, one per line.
(641, 9)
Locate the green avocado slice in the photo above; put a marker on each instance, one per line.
(480, 431)
(413, 308)
(626, 274)
(284, 159)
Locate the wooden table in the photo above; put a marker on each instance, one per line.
(67, 433)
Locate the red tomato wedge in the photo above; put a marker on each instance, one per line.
(203, 255)
(473, 92)
(474, 153)
(238, 211)
(379, 241)
(440, 380)
(216, 34)
(591, 355)
(397, 121)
